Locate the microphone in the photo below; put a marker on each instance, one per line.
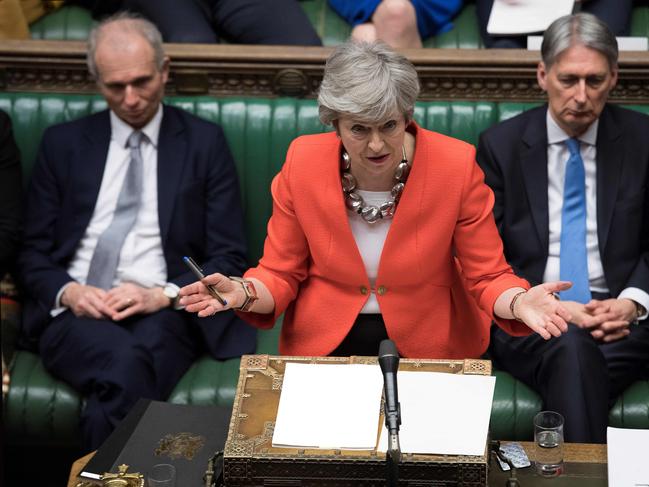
(389, 362)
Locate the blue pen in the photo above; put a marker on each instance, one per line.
(198, 272)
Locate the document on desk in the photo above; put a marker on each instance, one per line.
(444, 414)
(329, 406)
(511, 17)
(627, 457)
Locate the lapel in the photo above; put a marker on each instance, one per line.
(410, 204)
(533, 160)
(88, 169)
(409, 211)
(609, 161)
(172, 146)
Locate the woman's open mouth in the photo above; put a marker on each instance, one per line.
(378, 159)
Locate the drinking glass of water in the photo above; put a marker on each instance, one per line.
(548, 439)
(162, 475)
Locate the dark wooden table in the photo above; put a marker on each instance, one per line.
(585, 465)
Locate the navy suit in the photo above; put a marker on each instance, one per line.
(574, 374)
(281, 22)
(10, 196)
(199, 211)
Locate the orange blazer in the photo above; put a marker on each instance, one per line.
(441, 269)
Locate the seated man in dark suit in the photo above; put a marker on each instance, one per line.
(281, 22)
(570, 180)
(11, 198)
(116, 200)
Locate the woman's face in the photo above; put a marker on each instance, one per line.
(374, 149)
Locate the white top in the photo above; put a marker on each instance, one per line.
(558, 155)
(142, 259)
(370, 238)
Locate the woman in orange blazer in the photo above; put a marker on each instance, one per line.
(381, 229)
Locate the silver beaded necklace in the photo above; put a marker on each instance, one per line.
(355, 202)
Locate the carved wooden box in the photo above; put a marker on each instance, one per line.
(251, 460)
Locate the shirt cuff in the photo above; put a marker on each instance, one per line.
(639, 296)
(58, 307)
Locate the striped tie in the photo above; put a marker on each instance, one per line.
(105, 259)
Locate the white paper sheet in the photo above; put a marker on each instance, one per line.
(623, 43)
(445, 414)
(329, 406)
(510, 17)
(628, 455)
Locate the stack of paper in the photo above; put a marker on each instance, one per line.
(445, 414)
(628, 450)
(511, 17)
(329, 406)
(338, 406)
(623, 43)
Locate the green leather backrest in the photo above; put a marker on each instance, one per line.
(640, 20)
(73, 23)
(463, 35)
(70, 23)
(258, 131)
(330, 27)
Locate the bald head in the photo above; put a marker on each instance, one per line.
(118, 32)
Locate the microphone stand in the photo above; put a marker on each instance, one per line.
(392, 458)
(389, 362)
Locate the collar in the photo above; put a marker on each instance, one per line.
(121, 131)
(556, 134)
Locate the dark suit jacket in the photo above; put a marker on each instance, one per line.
(199, 211)
(513, 156)
(10, 196)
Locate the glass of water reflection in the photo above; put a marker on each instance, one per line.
(548, 439)
(162, 475)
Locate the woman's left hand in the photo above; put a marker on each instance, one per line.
(539, 309)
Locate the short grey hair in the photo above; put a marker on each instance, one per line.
(582, 28)
(129, 22)
(369, 81)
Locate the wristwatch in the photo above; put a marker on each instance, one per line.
(251, 293)
(639, 311)
(171, 291)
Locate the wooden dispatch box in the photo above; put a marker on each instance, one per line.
(251, 460)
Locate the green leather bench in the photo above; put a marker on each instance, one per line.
(73, 23)
(41, 410)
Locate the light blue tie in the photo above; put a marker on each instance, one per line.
(574, 259)
(109, 245)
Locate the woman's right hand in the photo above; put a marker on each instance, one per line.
(196, 297)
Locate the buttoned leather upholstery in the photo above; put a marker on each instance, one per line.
(40, 409)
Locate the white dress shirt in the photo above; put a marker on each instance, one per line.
(369, 240)
(558, 155)
(141, 259)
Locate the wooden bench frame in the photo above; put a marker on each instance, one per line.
(268, 71)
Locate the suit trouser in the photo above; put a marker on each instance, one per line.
(280, 22)
(575, 375)
(615, 13)
(114, 364)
